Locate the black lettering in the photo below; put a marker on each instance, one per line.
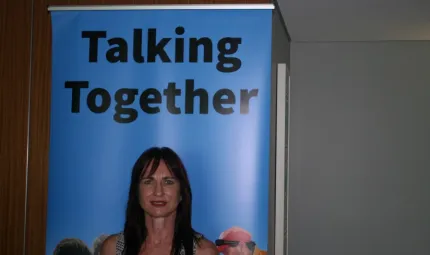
(119, 52)
(131, 113)
(233, 63)
(137, 46)
(245, 96)
(190, 93)
(76, 87)
(218, 101)
(105, 100)
(94, 37)
(155, 48)
(145, 100)
(99, 100)
(194, 49)
(171, 92)
(179, 45)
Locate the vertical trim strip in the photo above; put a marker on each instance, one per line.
(281, 84)
(28, 127)
(272, 162)
(287, 183)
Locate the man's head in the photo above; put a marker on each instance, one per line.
(71, 246)
(235, 241)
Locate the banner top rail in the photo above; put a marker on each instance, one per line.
(162, 7)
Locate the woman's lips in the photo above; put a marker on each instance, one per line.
(158, 203)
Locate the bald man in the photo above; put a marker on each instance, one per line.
(237, 241)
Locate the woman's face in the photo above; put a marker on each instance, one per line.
(159, 194)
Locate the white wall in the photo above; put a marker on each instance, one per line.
(359, 149)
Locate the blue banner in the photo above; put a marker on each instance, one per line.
(197, 81)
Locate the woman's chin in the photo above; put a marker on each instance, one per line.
(159, 212)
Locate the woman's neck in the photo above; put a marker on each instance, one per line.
(160, 230)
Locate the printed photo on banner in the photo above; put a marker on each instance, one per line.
(160, 128)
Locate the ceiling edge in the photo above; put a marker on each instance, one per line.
(281, 17)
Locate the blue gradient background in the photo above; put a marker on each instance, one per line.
(91, 156)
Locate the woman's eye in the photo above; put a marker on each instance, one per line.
(169, 182)
(146, 181)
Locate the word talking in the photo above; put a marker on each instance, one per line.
(147, 52)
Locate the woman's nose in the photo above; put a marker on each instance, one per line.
(159, 191)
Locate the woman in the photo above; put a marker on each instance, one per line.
(158, 216)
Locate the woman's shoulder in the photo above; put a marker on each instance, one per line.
(109, 246)
(205, 247)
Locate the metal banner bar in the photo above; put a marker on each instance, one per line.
(163, 7)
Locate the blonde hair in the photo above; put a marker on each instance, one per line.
(97, 244)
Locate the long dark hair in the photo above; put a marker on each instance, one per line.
(135, 231)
